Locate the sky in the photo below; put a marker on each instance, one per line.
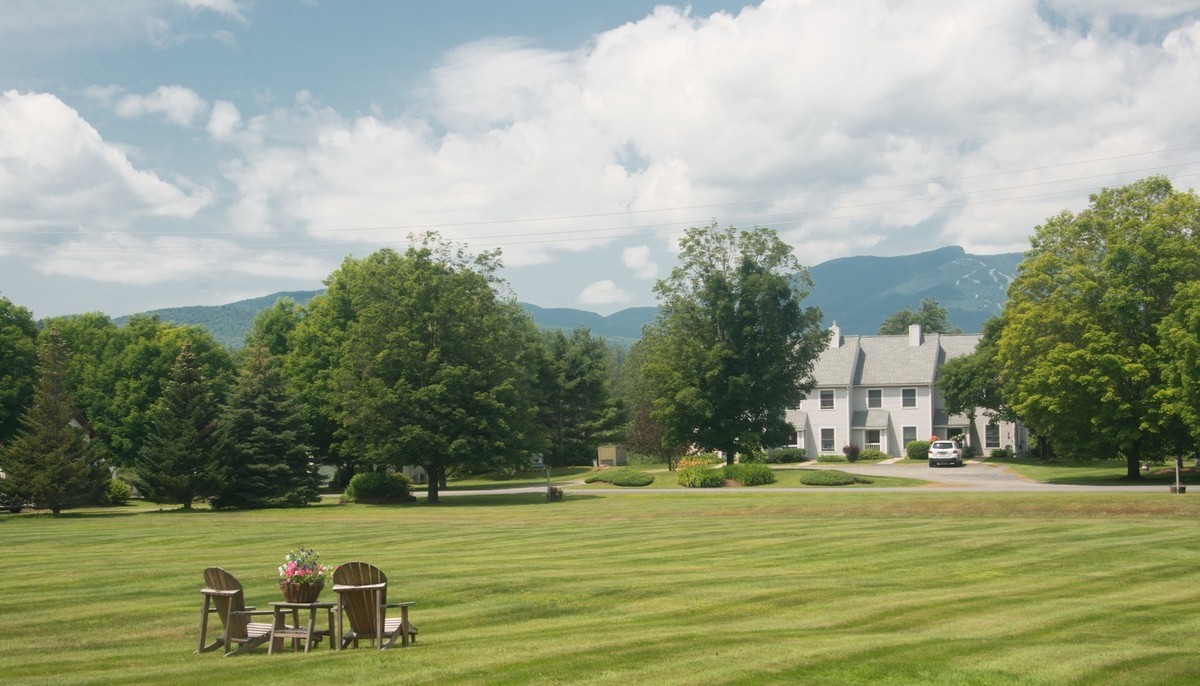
(161, 153)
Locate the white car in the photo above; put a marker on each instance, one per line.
(945, 452)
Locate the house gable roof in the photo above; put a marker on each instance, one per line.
(889, 360)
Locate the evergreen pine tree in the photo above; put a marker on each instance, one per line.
(265, 462)
(178, 464)
(52, 463)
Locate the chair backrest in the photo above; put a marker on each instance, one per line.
(361, 590)
(228, 600)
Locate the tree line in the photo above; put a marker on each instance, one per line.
(425, 358)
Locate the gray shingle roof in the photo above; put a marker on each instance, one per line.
(890, 360)
(835, 366)
(869, 419)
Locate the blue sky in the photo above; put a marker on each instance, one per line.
(158, 153)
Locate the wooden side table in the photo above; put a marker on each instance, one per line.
(282, 628)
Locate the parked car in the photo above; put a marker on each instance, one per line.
(945, 452)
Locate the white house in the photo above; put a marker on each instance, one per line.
(881, 392)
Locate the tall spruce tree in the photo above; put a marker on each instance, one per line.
(265, 462)
(52, 463)
(178, 464)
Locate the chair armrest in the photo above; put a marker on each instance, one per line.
(366, 587)
(252, 613)
(406, 603)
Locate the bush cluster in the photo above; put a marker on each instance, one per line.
(831, 457)
(117, 493)
(917, 450)
(1002, 453)
(756, 457)
(851, 452)
(379, 487)
(750, 474)
(701, 459)
(787, 455)
(622, 476)
(831, 477)
(639, 458)
(701, 476)
(872, 454)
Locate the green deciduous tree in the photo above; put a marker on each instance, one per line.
(735, 348)
(52, 463)
(972, 381)
(1079, 349)
(429, 365)
(1179, 351)
(18, 364)
(264, 460)
(932, 317)
(178, 462)
(577, 407)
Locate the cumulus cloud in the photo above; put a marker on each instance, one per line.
(56, 169)
(178, 104)
(638, 259)
(224, 120)
(48, 25)
(845, 125)
(136, 260)
(604, 292)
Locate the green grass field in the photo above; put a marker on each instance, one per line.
(756, 587)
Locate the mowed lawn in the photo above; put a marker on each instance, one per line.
(754, 587)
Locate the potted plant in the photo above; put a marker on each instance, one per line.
(302, 576)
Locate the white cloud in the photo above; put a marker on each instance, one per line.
(639, 260)
(826, 120)
(178, 104)
(55, 169)
(229, 8)
(604, 292)
(136, 260)
(224, 120)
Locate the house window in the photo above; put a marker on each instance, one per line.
(872, 441)
(827, 440)
(910, 435)
(826, 400)
(908, 397)
(874, 398)
(991, 435)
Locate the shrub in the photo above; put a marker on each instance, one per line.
(701, 459)
(1002, 453)
(379, 487)
(787, 455)
(622, 476)
(917, 450)
(831, 457)
(872, 454)
(117, 493)
(750, 474)
(701, 476)
(756, 457)
(639, 458)
(831, 477)
(851, 452)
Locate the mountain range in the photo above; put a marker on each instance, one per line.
(856, 292)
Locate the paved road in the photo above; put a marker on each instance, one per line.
(979, 477)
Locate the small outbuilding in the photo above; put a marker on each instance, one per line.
(611, 455)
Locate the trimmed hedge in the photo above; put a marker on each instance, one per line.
(831, 457)
(756, 457)
(787, 455)
(917, 450)
(749, 474)
(701, 476)
(622, 476)
(831, 477)
(379, 487)
(872, 454)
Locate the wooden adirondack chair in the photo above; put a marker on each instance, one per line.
(223, 596)
(362, 598)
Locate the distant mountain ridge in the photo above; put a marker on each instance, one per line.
(856, 292)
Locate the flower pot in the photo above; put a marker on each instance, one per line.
(300, 593)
